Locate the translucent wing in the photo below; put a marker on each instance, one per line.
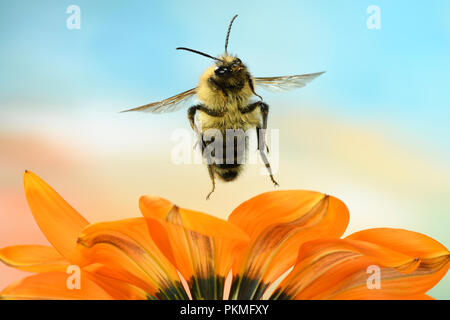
(171, 104)
(287, 82)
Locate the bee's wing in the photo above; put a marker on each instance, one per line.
(171, 104)
(287, 82)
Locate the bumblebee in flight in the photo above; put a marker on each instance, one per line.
(225, 93)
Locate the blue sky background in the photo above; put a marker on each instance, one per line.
(390, 83)
(126, 54)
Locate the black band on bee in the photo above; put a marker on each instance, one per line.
(226, 87)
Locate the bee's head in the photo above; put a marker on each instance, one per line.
(227, 66)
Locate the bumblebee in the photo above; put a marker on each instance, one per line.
(225, 94)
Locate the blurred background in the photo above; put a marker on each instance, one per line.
(372, 131)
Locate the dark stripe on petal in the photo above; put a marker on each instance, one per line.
(244, 288)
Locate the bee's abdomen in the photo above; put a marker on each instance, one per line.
(229, 164)
(227, 172)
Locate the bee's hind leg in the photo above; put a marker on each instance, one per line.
(264, 157)
(261, 136)
(211, 175)
(261, 132)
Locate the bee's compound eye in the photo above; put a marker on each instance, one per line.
(221, 71)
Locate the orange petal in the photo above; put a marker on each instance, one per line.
(154, 206)
(202, 247)
(278, 223)
(341, 269)
(33, 258)
(118, 289)
(127, 253)
(394, 284)
(408, 242)
(59, 222)
(53, 285)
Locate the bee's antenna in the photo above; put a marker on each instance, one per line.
(228, 33)
(199, 52)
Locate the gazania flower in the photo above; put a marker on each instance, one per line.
(278, 245)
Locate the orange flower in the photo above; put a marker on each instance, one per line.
(175, 253)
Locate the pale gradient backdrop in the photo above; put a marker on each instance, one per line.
(372, 131)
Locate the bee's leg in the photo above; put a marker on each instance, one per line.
(191, 116)
(209, 161)
(264, 107)
(266, 161)
(261, 135)
(211, 175)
